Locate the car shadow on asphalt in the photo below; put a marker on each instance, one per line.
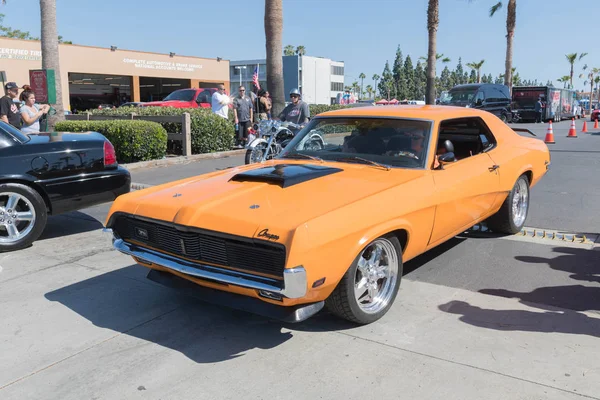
(562, 306)
(125, 301)
(69, 224)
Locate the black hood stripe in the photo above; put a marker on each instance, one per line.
(285, 175)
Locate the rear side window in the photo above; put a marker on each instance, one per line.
(469, 136)
(11, 133)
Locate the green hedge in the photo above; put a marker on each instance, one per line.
(321, 108)
(210, 133)
(133, 140)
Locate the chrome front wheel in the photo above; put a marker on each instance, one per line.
(376, 276)
(368, 289)
(22, 216)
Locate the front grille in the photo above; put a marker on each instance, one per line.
(214, 248)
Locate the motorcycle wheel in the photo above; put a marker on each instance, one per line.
(254, 155)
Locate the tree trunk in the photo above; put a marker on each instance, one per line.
(432, 26)
(478, 76)
(50, 58)
(511, 21)
(273, 34)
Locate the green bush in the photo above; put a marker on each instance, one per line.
(133, 140)
(321, 108)
(210, 133)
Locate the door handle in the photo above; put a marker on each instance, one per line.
(493, 168)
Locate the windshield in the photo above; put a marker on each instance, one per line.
(393, 142)
(20, 136)
(461, 96)
(181, 95)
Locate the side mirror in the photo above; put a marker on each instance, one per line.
(446, 159)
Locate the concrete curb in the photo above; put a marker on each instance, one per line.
(182, 159)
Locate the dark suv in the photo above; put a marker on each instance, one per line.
(484, 96)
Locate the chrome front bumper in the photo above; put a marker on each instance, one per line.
(294, 279)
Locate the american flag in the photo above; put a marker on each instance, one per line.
(255, 78)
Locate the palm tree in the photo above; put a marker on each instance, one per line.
(289, 50)
(369, 90)
(511, 22)
(355, 88)
(477, 67)
(438, 56)
(564, 79)
(273, 30)
(376, 79)
(300, 50)
(362, 76)
(571, 58)
(50, 59)
(433, 20)
(592, 79)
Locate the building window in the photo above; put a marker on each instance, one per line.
(335, 70)
(337, 86)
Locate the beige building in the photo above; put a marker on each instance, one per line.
(94, 75)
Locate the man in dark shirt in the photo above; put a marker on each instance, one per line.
(9, 109)
(242, 112)
(297, 111)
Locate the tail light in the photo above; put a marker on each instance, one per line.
(110, 158)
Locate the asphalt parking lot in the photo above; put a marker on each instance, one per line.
(479, 317)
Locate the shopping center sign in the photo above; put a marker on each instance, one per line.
(43, 84)
(163, 65)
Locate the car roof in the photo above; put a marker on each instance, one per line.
(430, 112)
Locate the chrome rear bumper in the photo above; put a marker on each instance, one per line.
(294, 279)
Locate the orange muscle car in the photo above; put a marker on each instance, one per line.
(332, 219)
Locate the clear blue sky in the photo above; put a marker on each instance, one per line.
(363, 33)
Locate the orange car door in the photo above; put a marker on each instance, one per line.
(465, 191)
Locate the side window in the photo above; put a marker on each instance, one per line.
(467, 136)
(204, 97)
(480, 97)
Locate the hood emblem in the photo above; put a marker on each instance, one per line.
(177, 195)
(265, 233)
(254, 206)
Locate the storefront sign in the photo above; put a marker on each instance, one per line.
(163, 65)
(20, 54)
(43, 84)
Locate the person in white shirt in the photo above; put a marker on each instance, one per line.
(220, 101)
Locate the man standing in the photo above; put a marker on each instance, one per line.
(538, 110)
(243, 113)
(9, 109)
(220, 102)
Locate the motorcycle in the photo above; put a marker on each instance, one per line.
(270, 137)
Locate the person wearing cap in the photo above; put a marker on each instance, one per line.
(9, 109)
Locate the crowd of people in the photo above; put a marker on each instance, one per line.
(21, 111)
(255, 107)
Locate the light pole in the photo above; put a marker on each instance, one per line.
(240, 68)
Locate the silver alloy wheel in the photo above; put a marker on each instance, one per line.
(17, 217)
(257, 152)
(376, 276)
(520, 202)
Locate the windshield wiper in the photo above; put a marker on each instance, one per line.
(364, 161)
(300, 155)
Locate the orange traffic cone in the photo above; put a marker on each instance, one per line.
(584, 130)
(572, 130)
(596, 124)
(549, 135)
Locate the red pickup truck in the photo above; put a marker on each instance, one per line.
(185, 98)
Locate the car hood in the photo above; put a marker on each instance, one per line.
(278, 197)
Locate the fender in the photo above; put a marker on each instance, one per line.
(256, 142)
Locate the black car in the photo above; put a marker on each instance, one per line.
(52, 173)
(484, 96)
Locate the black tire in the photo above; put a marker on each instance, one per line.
(342, 301)
(503, 221)
(41, 216)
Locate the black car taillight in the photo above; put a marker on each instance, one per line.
(110, 158)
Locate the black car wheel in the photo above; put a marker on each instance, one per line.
(23, 216)
(510, 219)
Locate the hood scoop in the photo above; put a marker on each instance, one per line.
(285, 175)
